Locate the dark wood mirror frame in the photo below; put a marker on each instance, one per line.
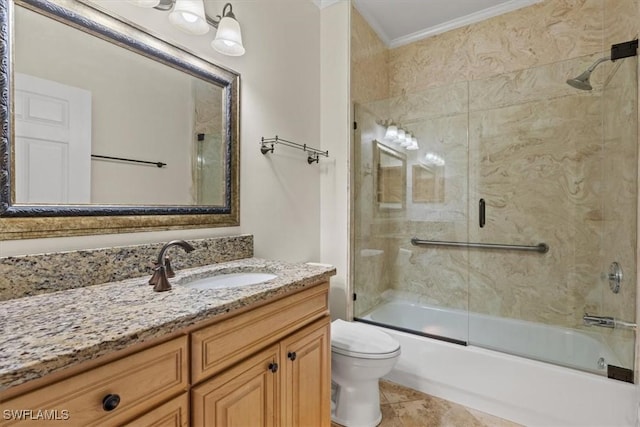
(21, 221)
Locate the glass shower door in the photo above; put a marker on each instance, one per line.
(420, 289)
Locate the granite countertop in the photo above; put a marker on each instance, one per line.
(45, 333)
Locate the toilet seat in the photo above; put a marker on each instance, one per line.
(362, 341)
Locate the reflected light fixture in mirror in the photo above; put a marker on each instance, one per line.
(400, 136)
(189, 16)
(407, 140)
(392, 132)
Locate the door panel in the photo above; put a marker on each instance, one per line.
(53, 142)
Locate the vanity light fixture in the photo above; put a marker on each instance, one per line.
(396, 134)
(401, 136)
(407, 140)
(190, 17)
(432, 159)
(392, 132)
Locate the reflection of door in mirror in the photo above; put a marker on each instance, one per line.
(209, 144)
(53, 141)
(390, 182)
(140, 109)
(390, 177)
(427, 184)
(210, 152)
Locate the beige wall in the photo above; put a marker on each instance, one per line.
(335, 119)
(554, 164)
(280, 94)
(369, 62)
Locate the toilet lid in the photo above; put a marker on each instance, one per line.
(360, 340)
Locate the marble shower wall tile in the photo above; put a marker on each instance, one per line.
(38, 274)
(555, 164)
(620, 20)
(536, 84)
(537, 165)
(547, 32)
(369, 58)
(434, 103)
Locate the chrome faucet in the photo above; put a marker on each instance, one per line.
(607, 322)
(162, 270)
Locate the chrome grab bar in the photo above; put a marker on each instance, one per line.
(542, 248)
(606, 322)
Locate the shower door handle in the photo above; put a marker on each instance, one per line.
(481, 213)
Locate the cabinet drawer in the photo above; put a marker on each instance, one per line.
(219, 346)
(174, 413)
(141, 381)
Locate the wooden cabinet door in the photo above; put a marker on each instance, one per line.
(306, 376)
(244, 395)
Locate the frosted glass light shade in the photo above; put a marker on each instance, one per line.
(188, 16)
(228, 39)
(145, 3)
(401, 135)
(391, 133)
(407, 140)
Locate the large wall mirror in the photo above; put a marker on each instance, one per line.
(109, 129)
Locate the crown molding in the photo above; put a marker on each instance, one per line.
(463, 21)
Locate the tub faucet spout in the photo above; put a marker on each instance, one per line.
(603, 321)
(159, 279)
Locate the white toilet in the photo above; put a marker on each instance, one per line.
(360, 355)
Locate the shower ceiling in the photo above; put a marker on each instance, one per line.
(399, 22)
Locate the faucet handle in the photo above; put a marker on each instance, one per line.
(155, 277)
(168, 269)
(163, 284)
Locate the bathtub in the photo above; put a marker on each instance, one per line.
(529, 392)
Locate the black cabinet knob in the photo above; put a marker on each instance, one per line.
(273, 367)
(110, 402)
(292, 355)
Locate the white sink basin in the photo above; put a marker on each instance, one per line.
(230, 280)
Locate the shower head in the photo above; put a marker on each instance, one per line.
(582, 81)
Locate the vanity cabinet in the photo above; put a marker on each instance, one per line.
(286, 384)
(174, 413)
(111, 394)
(265, 366)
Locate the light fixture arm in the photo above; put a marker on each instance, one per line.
(166, 5)
(214, 22)
(190, 17)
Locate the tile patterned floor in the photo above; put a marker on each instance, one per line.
(404, 407)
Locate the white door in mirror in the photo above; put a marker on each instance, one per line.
(53, 141)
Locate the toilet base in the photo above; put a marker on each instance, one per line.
(356, 405)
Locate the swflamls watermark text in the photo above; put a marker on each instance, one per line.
(36, 414)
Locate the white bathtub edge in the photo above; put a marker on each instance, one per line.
(524, 391)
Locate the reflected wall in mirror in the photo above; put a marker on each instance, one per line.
(390, 177)
(110, 121)
(427, 184)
